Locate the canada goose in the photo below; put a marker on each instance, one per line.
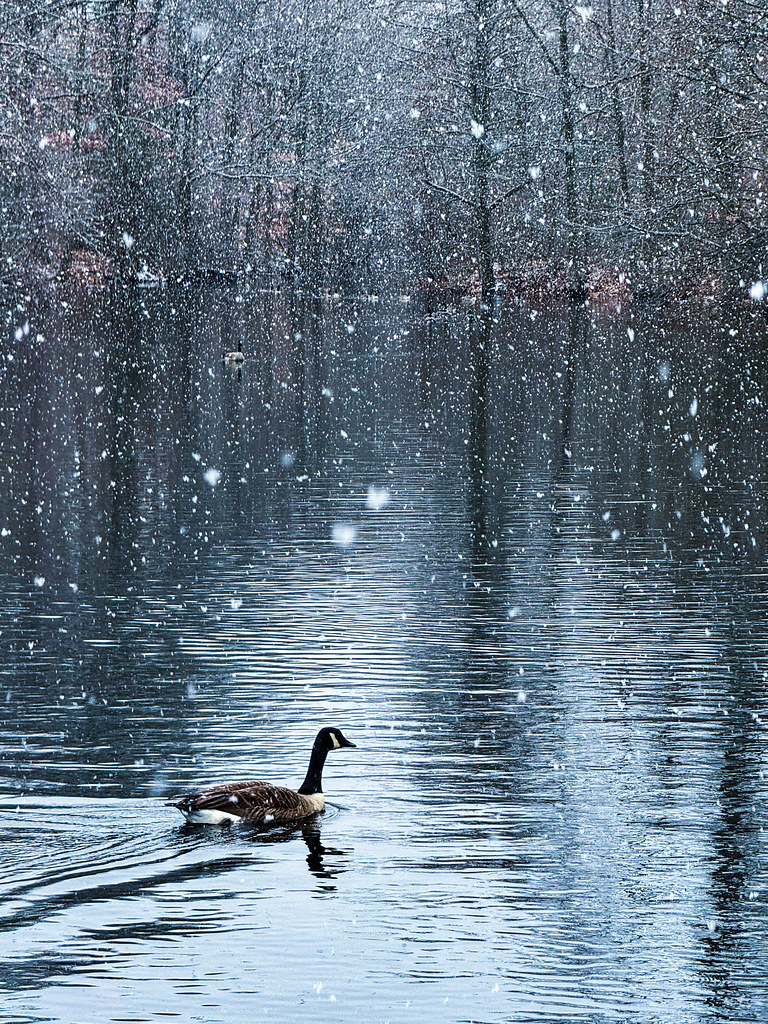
(235, 357)
(261, 803)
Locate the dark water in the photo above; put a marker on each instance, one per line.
(557, 808)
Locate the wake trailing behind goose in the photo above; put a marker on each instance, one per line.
(262, 803)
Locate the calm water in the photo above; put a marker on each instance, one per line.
(557, 808)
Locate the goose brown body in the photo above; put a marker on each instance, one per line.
(254, 801)
(261, 803)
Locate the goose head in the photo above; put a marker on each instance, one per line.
(331, 739)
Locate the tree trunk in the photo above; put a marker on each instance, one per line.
(574, 238)
(121, 151)
(618, 113)
(480, 117)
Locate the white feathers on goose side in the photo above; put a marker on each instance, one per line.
(262, 803)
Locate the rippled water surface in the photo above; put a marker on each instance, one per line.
(554, 669)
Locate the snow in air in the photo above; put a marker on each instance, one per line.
(343, 534)
(377, 497)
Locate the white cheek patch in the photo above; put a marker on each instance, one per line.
(336, 743)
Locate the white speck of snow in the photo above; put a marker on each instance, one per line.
(344, 434)
(664, 371)
(127, 240)
(200, 31)
(477, 129)
(630, 334)
(415, 113)
(236, 603)
(521, 697)
(615, 534)
(694, 407)
(73, 587)
(698, 467)
(212, 476)
(287, 459)
(39, 581)
(757, 291)
(343, 534)
(377, 497)
(585, 13)
(514, 612)
(534, 171)
(233, 798)
(327, 393)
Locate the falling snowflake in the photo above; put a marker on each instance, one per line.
(343, 534)
(377, 497)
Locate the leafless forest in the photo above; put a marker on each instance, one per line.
(617, 145)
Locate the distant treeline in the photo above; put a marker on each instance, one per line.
(619, 146)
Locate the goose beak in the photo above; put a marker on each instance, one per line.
(346, 743)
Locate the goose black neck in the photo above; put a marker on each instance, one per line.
(313, 783)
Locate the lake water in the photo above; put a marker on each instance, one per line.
(556, 811)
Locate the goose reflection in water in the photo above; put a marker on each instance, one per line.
(324, 862)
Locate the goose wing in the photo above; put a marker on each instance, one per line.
(252, 801)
